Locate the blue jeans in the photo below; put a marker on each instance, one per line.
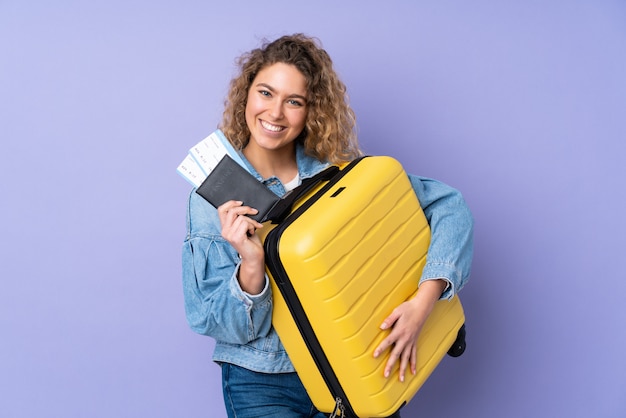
(249, 394)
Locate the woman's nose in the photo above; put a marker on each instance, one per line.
(276, 111)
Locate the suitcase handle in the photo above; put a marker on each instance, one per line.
(282, 208)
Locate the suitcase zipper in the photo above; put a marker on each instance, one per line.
(338, 408)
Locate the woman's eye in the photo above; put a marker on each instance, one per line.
(265, 93)
(294, 102)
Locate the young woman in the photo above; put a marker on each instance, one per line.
(287, 113)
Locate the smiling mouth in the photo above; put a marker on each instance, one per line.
(270, 127)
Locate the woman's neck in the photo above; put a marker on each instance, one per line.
(279, 163)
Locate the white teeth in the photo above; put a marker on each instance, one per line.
(271, 127)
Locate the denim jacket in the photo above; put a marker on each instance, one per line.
(241, 323)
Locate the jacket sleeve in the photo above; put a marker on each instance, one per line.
(451, 224)
(215, 304)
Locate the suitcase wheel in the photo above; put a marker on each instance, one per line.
(459, 344)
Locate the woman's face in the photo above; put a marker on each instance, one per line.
(277, 108)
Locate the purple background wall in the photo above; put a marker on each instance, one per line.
(519, 104)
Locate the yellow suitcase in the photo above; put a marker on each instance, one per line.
(349, 252)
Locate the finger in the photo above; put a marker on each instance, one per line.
(226, 206)
(390, 320)
(414, 359)
(235, 206)
(393, 358)
(384, 345)
(393, 336)
(241, 228)
(241, 210)
(228, 214)
(225, 213)
(404, 362)
(250, 224)
(251, 229)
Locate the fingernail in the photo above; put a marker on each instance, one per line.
(383, 325)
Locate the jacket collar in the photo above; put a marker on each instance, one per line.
(307, 166)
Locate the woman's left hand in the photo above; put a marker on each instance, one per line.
(406, 322)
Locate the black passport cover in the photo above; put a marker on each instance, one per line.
(230, 181)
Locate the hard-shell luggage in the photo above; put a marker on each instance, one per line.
(349, 252)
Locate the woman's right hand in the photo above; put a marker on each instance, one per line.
(239, 230)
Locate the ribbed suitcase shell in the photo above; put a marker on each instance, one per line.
(351, 252)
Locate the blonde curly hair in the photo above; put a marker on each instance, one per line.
(330, 128)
